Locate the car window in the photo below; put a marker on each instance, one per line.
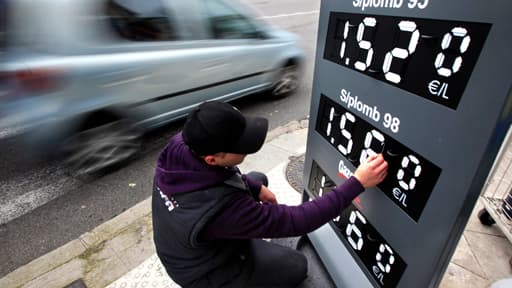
(3, 25)
(227, 23)
(145, 20)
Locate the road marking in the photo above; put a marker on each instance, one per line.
(13, 131)
(290, 15)
(14, 207)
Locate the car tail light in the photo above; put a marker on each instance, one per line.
(37, 80)
(5, 88)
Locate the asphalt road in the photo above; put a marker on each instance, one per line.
(43, 207)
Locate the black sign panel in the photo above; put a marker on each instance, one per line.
(410, 178)
(383, 263)
(430, 58)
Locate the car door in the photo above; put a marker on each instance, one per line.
(252, 52)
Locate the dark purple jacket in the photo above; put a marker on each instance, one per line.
(179, 171)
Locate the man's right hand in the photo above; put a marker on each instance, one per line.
(267, 196)
(372, 171)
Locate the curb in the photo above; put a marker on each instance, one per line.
(81, 258)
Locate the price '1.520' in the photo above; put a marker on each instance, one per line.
(407, 52)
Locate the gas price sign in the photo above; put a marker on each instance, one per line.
(426, 84)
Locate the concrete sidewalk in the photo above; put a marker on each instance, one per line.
(120, 252)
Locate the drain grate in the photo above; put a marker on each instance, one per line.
(294, 172)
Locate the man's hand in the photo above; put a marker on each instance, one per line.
(372, 171)
(267, 196)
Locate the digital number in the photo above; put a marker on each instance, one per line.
(347, 135)
(344, 43)
(365, 45)
(385, 250)
(352, 228)
(409, 28)
(448, 39)
(329, 126)
(322, 186)
(370, 139)
(415, 171)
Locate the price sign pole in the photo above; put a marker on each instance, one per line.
(428, 85)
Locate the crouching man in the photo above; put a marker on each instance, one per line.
(209, 218)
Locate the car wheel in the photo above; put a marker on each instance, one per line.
(286, 82)
(97, 148)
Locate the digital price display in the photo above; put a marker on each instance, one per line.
(426, 83)
(354, 229)
(411, 176)
(430, 58)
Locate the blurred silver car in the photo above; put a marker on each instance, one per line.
(91, 75)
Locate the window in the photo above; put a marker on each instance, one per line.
(226, 23)
(145, 20)
(3, 24)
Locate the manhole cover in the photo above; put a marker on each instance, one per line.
(294, 171)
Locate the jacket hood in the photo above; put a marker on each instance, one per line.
(179, 171)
